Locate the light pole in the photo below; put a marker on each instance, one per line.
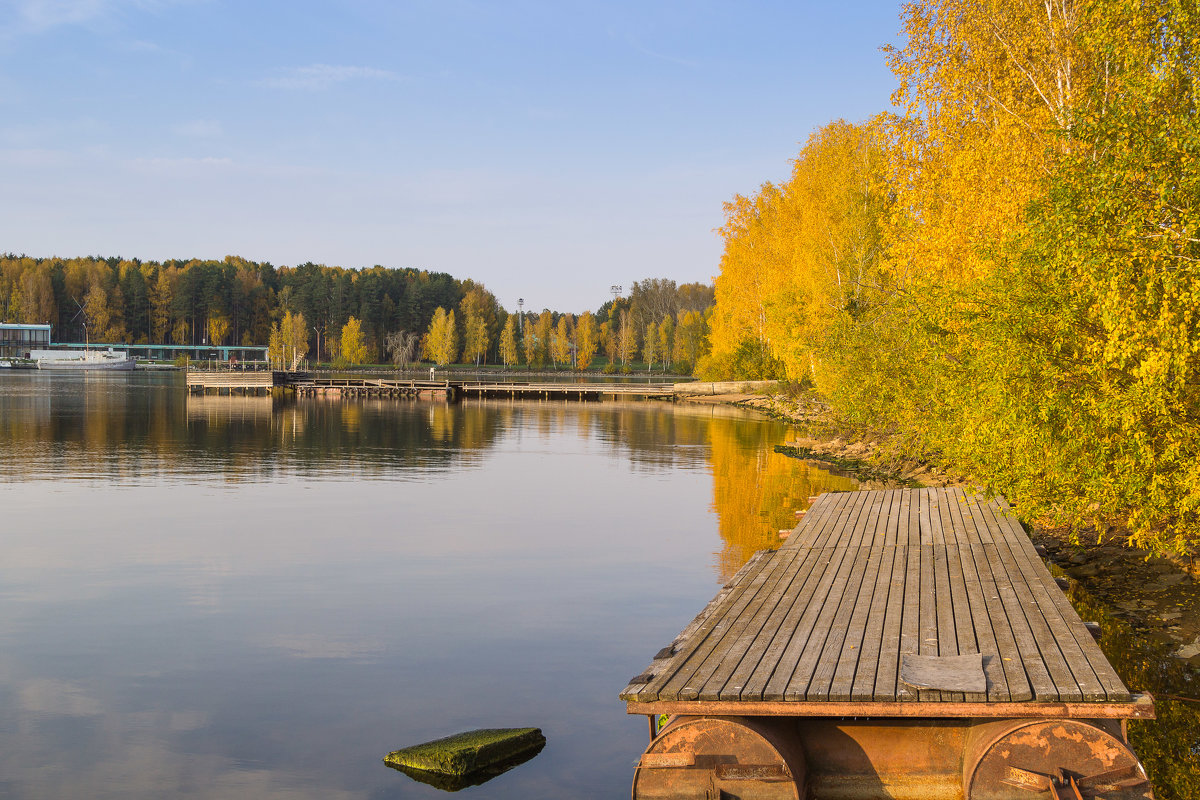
(318, 332)
(520, 326)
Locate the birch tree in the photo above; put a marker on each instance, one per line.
(353, 347)
(508, 342)
(586, 340)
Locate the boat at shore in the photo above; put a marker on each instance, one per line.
(85, 359)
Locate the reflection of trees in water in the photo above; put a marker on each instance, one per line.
(150, 427)
(371, 438)
(98, 427)
(108, 428)
(1169, 746)
(650, 434)
(84, 424)
(757, 491)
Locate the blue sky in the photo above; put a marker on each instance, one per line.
(546, 149)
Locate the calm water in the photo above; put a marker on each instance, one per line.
(226, 597)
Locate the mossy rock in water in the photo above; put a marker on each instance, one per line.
(466, 753)
(453, 783)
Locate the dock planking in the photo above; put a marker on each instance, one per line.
(821, 626)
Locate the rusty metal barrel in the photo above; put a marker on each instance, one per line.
(718, 757)
(1018, 759)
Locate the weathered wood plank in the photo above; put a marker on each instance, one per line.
(951, 584)
(860, 651)
(923, 518)
(823, 604)
(844, 647)
(691, 636)
(1140, 707)
(794, 628)
(877, 536)
(849, 511)
(904, 518)
(978, 608)
(807, 523)
(710, 675)
(928, 643)
(810, 679)
(910, 626)
(891, 528)
(974, 634)
(947, 610)
(935, 517)
(1095, 677)
(1043, 676)
(1067, 686)
(825, 512)
(769, 678)
(1012, 657)
(890, 645)
(690, 673)
(776, 629)
(835, 672)
(865, 529)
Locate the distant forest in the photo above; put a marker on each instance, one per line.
(240, 302)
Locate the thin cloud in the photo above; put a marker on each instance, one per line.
(33, 158)
(198, 128)
(43, 14)
(646, 51)
(36, 16)
(322, 76)
(180, 167)
(140, 46)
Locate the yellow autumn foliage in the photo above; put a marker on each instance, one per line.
(1006, 277)
(798, 256)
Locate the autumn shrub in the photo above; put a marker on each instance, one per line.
(751, 360)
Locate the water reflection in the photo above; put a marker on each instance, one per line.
(757, 491)
(239, 597)
(1168, 746)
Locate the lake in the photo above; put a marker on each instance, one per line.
(221, 597)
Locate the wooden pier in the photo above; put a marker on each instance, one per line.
(373, 387)
(234, 381)
(568, 391)
(929, 617)
(308, 385)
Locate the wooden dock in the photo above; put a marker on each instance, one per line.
(868, 578)
(568, 391)
(926, 610)
(234, 381)
(309, 385)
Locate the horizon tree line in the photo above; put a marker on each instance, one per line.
(340, 315)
